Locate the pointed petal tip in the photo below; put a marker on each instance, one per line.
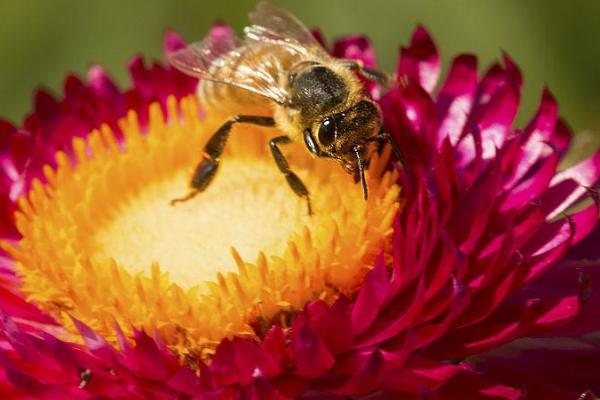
(421, 34)
(422, 42)
(220, 30)
(512, 69)
(172, 41)
(95, 72)
(467, 59)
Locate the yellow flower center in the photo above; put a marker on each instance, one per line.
(101, 242)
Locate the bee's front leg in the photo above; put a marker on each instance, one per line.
(384, 137)
(207, 168)
(371, 74)
(283, 165)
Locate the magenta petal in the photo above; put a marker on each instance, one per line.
(18, 152)
(95, 343)
(533, 186)
(561, 138)
(17, 307)
(275, 345)
(148, 360)
(172, 41)
(569, 186)
(587, 249)
(310, 353)
(6, 129)
(46, 108)
(535, 361)
(223, 365)
(263, 390)
(495, 118)
(355, 47)
(20, 341)
(403, 315)
(371, 297)
(585, 221)
(467, 224)
(512, 71)
(572, 279)
(358, 47)
(417, 374)
(365, 376)
(101, 83)
(185, 381)
(467, 384)
(495, 79)
(420, 62)
(252, 362)
(542, 125)
(455, 98)
(221, 30)
(332, 324)
(540, 135)
(26, 383)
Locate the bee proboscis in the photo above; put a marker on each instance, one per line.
(280, 76)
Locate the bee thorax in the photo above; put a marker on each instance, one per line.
(317, 90)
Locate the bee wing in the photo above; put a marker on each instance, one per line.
(215, 59)
(276, 26)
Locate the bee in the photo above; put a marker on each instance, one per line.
(279, 76)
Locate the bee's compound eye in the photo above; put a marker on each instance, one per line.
(327, 132)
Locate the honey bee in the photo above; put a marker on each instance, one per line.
(280, 76)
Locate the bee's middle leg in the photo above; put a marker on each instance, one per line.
(295, 183)
(207, 168)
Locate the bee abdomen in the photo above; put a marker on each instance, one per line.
(220, 96)
(210, 95)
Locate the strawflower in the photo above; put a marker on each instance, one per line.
(452, 281)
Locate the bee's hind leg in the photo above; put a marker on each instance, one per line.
(207, 168)
(283, 165)
(203, 175)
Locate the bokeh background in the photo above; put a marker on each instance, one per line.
(555, 42)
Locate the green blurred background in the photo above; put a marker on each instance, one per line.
(555, 42)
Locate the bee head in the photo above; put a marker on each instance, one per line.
(344, 137)
(339, 133)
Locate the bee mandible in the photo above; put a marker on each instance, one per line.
(280, 76)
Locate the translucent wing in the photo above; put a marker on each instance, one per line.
(197, 59)
(270, 24)
(228, 60)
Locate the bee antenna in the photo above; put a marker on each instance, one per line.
(361, 169)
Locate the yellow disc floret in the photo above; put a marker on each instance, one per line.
(100, 241)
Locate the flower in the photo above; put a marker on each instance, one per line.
(421, 292)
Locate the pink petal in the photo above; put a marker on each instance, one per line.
(310, 353)
(569, 186)
(558, 368)
(456, 97)
(172, 41)
(356, 47)
(420, 61)
(371, 297)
